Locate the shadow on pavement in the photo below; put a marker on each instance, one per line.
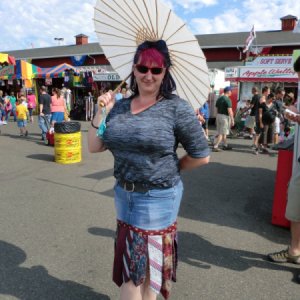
(45, 157)
(36, 283)
(232, 196)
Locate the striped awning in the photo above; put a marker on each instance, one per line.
(54, 72)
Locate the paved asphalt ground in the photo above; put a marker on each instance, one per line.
(57, 226)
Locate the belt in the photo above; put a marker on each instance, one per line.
(133, 186)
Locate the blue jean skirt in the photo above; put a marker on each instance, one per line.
(153, 210)
(57, 116)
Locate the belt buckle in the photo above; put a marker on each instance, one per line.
(132, 187)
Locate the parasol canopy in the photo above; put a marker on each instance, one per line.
(122, 25)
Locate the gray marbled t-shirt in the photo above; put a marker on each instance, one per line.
(144, 144)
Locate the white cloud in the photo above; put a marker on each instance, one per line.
(264, 15)
(24, 22)
(38, 22)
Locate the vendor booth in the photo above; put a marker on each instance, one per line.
(270, 70)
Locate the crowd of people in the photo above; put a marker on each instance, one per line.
(260, 119)
(51, 109)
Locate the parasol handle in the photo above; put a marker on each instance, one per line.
(101, 104)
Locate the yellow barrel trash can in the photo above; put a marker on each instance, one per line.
(67, 145)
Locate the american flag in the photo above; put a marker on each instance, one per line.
(249, 40)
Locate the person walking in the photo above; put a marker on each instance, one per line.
(224, 120)
(13, 102)
(143, 133)
(259, 125)
(22, 115)
(31, 103)
(204, 111)
(58, 106)
(292, 252)
(45, 111)
(251, 120)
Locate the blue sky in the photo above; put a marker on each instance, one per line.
(35, 23)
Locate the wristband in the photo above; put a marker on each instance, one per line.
(94, 125)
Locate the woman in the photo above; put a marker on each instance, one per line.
(143, 133)
(267, 114)
(58, 106)
(31, 103)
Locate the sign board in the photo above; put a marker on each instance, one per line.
(94, 68)
(106, 77)
(231, 72)
(272, 61)
(268, 72)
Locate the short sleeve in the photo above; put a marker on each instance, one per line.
(189, 131)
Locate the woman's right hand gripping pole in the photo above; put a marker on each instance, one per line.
(95, 144)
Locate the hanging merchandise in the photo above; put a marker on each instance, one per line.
(48, 81)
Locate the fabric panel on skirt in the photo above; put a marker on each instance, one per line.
(136, 250)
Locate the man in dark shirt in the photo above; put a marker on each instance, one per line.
(224, 119)
(45, 111)
(254, 104)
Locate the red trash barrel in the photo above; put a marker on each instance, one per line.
(283, 175)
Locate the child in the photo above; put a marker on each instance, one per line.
(22, 115)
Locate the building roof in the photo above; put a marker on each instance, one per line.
(237, 39)
(57, 51)
(207, 41)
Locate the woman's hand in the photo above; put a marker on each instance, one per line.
(107, 100)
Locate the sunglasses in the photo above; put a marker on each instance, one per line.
(144, 70)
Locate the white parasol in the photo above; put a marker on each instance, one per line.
(122, 25)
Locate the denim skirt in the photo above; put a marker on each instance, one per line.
(153, 210)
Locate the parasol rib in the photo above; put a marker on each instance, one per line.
(119, 55)
(176, 31)
(119, 15)
(146, 7)
(167, 21)
(188, 84)
(145, 22)
(187, 87)
(183, 42)
(120, 66)
(156, 10)
(187, 61)
(111, 26)
(179, 83)
(116, 20)
(118, 36)
(192, 74)
(130, 17)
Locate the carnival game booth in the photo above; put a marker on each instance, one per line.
(269, 70)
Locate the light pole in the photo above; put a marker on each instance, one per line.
(59, 40)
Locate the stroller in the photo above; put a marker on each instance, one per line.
(49, 134)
